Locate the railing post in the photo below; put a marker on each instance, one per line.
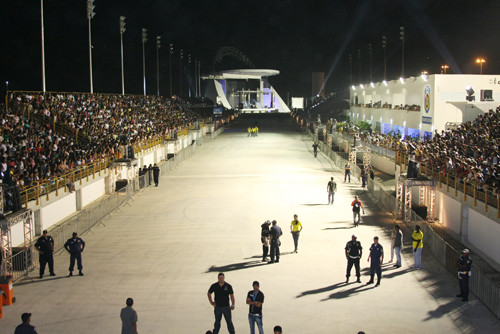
(65, 183)
(447, 182)
(47, 188)
(37, 193)
(456, 185)
(93, 174)
(465, 190)
(57, 186)
(475, 199)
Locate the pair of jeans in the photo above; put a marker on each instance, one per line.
(350, 263)
(417, 256)
(226, 311)
(331, 197)
(398, 255)
(275, 250)
(255, 319)
(296, 236)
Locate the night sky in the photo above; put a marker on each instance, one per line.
(294, 37)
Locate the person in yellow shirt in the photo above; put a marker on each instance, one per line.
(295, 228)
(417, 237)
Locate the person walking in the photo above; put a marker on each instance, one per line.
(357, 206)
(398, 245)
(255, 298)
(295, 228)
(315, 149)
(464, 265)
(353, 253)
(418, 238)
(129, 318)
(75, 247)
(222, 292)
(347, 172)
(25, 327)
(264, 238)
(156, 174)
(274, 238)
(45, 247)
(377, 257)
(331, 188)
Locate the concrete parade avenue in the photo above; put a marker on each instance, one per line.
(167, 245)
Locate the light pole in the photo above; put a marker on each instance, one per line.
(122, 30)
(90, 15)
(188, 67)
(171, 52)
(384, 46)
(158, 46)
(181, 56)
(7, 96)
(43, 47)
(481, 61)
(350, 66)
(144, 40)
(359, 64)
(402, 38)
(444, 68)
(195, 77)
(199, 78)
(370, 52)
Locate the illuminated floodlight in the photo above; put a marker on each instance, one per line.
(402, 80)
(385, 83)
(353, 87)
(362, 87)
(372, 84)
(424, 75)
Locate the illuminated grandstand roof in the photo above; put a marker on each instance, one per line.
(247, 73)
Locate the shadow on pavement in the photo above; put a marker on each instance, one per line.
(321, 290)
(314, 204)
(32, 280)
(347, 293)
(236, 266)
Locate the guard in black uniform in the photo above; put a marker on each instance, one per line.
(464, 264)
(75, 247)
(377, 257)
(315, 149)
(264, 238)
(45, 247)
(353, 252)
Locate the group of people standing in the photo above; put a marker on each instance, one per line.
(253, 131)
(152, 170)
(270, 238)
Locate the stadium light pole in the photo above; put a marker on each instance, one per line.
(158, 46)
(144, 40)
(359, 64)
(189, 66)
(171, 51)
(199, 78)
(90, 15)
(402, 38)
(350, 65)
(122, 30)
(181, 56)
(481, 61)
(384, 46)
(195, 77)
(43, 47)
(370, 52)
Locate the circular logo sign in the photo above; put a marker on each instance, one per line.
(427, 98)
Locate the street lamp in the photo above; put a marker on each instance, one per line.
(444, 68)
(90, 15)
(122, 30)
(384, 46)
(481, 61)
(171, 52)
(181, 56)
(144, 40)
(402, 38)
(43, 47)
(158, 46)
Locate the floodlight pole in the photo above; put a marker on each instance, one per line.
(402, 38)
(171, 51)
(384, 46)
(90, 15)
(181, 56)
(43, 47)
(122, 30)
(144, 40)
(158, 46)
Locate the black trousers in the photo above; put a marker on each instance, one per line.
(46, 258)
(350, 263)
(78, 257)
(463, 279)
(375, 268)
(265, 251)
(275, 251)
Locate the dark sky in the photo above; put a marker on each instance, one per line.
(294, 37)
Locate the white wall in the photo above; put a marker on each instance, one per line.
(483, 234)
(93, 191)
(449, 211)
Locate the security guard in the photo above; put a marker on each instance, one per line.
(464, 264)
(75, 247)
(45, 247)
(377, 257)
(353, 252)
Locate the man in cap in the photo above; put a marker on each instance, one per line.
(464, 264)
(353, 252)
(45, 247)
(75, 247)
(255, 298)
(264, 238)
(25, 327)
(377, 257)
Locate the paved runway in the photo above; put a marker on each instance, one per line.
(167, 246)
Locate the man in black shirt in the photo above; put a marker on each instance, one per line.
(353, 252)
(222, 291)
(255, 298)
(45, 247)
(377, 257)
(264, 238)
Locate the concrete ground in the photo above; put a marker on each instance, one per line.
(166, 247)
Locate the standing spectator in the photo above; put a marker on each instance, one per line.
(25, 327)
(357, 206)
(398, 244)
(331, 188)
(277, 330)
(417, 237)
(393, 238)
(315, 149)
(347, 172)
(264, 238)
(363, 177)
(274, 235)
(464, 264)
(377, 257)
(295, 228)
(45, 247)
(255, 298)
(353, 253)
(156, 174)
(222, 292)
(129, 318)
(75, 247)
